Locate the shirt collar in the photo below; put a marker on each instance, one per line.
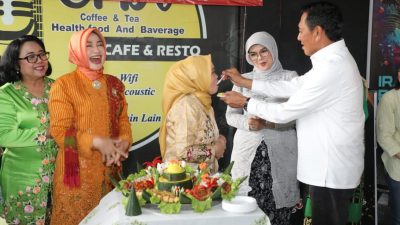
(332, 48)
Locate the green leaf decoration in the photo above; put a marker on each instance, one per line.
(133, 208)
(124, 201)
(189, 169)
(217, 194)
(228, 169)
(115, 182)
(234, 188)
(170, 208)
(146, 196)
(201, 206)
(135, 176)
(240, 180)
(121, 176)
(154, 199)
(184, 199)
(133, 201)
(139, 166)
(142, 201)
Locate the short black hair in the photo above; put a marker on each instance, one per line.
(326, 15)
(9, 65)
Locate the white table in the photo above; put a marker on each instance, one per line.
(110, 211)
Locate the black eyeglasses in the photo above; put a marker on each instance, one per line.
(44, 56)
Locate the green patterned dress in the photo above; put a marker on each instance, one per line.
(29, 158)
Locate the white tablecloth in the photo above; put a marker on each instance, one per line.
(110, 211)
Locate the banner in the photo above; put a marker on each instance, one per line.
(385, 46)
(143, 41)
(201, 2)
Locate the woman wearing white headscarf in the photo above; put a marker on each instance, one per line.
(265, 152)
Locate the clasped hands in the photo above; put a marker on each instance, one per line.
(113, 151)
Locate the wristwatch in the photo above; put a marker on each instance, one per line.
(245, 104)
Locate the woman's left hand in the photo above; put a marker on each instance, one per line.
(256, 123)
(221, 146)
(121, 146)
(48, 134)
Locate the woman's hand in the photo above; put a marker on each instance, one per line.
(122, 145)
(111, 150)
(256, 124)
(48, 134)
(220, 147)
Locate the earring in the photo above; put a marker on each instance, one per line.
(18, 72)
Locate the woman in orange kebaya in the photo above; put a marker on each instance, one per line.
(91, 127)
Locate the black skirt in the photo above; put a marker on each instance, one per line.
(260, 182)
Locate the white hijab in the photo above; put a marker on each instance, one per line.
(265, 39)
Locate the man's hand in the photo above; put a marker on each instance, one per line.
(236, 78)
(234, 99)
(397, 155)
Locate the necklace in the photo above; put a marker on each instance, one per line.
(96, 84)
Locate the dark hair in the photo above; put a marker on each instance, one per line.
(325, 15)
(9, 66)
(397, 83)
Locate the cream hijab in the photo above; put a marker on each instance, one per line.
(188, 76)
(265, 39)
(77, 52)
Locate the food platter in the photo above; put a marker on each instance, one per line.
(173, 184)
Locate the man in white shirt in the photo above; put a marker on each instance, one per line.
(327, 104)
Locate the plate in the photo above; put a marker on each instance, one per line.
(240, 204)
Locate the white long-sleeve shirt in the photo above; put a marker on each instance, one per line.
(388, 131)
(327, 104)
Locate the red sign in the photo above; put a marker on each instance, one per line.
(202, 2)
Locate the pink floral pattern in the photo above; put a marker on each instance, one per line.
(29, 205)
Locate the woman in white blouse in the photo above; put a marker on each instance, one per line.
(265, 152)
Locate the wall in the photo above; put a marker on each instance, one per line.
(280, 18)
